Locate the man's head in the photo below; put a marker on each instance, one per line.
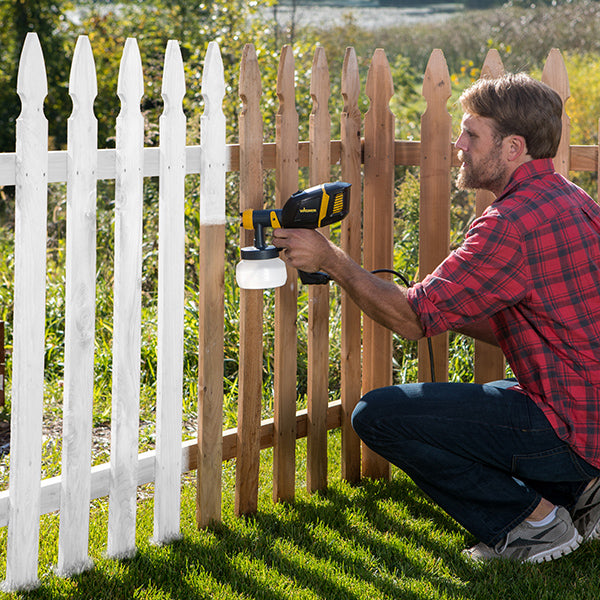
(507, 122)
(519, 105)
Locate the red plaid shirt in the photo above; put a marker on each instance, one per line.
(531, 265)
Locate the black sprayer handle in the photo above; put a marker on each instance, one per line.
(318, 278)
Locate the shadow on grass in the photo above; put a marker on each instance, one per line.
(376, 540)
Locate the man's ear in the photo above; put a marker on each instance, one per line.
(516, 147)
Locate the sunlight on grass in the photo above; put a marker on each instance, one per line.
(377, 540)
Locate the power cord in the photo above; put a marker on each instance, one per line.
(408, 284)
(323, 278)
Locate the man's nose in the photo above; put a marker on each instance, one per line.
(460, 143)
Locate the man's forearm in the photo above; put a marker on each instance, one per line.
(382, 300)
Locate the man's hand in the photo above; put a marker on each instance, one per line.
(304, 249)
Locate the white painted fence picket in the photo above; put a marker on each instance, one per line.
(80, 310)
(127, 306)
(171, 263)
(31, 168)
(29, 320)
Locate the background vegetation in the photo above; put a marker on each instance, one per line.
(522, 33)
(523, 36)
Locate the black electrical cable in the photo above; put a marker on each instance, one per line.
(408, 284)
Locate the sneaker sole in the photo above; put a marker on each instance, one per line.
(559, 551)
(594, 534)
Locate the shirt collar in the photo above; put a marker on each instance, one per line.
(530, 169)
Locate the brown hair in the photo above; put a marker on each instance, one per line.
(519, 105)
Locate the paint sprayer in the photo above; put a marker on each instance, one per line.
(317, 206)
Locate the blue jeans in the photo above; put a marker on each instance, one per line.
(485, 453)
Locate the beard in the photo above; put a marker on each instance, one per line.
(486, 173)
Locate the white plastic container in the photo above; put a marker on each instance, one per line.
(260, 269)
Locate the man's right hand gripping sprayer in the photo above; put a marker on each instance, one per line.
(314, 207)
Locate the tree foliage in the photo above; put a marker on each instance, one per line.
(192, 22)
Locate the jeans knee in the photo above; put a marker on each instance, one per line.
(358, 416)
(363, 414)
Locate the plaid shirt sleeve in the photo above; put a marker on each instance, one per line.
(486, 274)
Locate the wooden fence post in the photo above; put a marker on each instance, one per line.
(171, 276)
(489, 364)
(212, 286)
(127, 306)
(351, 367)
(555, 75)
(29, 320)
(80, 310)
(318, 295)
(434, 218)
(378, 230)
(286, 296)
(251, 301)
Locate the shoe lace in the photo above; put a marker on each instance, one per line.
(500, 547)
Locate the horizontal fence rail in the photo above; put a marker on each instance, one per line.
(366, 155)
(406, 153)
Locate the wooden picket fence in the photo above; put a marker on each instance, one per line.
(367, 153)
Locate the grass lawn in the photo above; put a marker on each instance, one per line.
(376, 540)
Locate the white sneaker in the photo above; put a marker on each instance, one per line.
(526, 543)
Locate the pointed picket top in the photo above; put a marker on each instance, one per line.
(212, 133)
(173, 117)
(350, 82)
(492, 65)
(379, 78)
(555, 75)
(83, 87)
(251, 135)
(32, 84)
(250, 81)
(319, 83)
(213, 80)
(351, 122)
(436, 84)
(130, 87)
(173, 87)
(285, 80)
(320, 121)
